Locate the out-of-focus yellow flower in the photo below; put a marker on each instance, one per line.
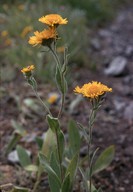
(53, 20)
(26, 30)
(4, 33)
(28, 69)
(21, 7)
(8, 42)
(61, 49)
(53, 97)
(93, 89)
(45, 38)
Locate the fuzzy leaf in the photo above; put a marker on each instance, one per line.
(74, 137)
(23, 156)
(61, 143)
(31, 168)
(72, 167)
(53, 123)
(66, 185)
(104, 159)
(54, 181)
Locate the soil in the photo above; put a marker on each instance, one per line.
(114, 123)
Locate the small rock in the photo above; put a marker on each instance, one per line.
(117, 67)
(119, 105)
(13, 156)
(95, 44)
(128, 113)
(129, 51)
(104, 33)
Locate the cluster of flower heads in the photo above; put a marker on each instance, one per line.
(47, 36)
(92, 90)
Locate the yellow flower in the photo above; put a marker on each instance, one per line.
(26, 30)
(8, 42)
(53, 98)
(93, 89)
(28, 69)
(45, 38)
(53, 20)
(4, 33)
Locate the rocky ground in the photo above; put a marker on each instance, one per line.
(112, 49)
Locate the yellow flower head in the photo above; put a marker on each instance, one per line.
(28, 69)
(26, 30)
(53, 98)
(4, 33)
(53, 20)
(45, 37)
(92, 90)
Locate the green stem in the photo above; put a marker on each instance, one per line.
(91, 122)
(59, 155)
(43, 104)
(56, 58)
(62, 104)
(38, 179)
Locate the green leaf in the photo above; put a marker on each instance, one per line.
(104, 159)
(18, 128)
(31, 168)
(19, 189)
(53, 123)
(66, 185)
(61, 143)
(23, 156)
(39, 142)
(74, 137)
(54, 181)
(13, 142)
(54, 164)
(72, 167)
(49, 143)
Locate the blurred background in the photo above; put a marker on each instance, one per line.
(100, 45)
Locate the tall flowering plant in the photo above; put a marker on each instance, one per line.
(58, 158)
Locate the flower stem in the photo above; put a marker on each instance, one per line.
(38, 179)
(62, 104)
(91, 122)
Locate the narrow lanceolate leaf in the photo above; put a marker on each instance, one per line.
(13, 142)
(23, 156)
(19, 189)
(54, 164)
(104, 159)
(54, 181)
(66, 185)
(72, 167)
(49, 143)
(18, 128)
(61, 143)
(74, 137)
(53, 123)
